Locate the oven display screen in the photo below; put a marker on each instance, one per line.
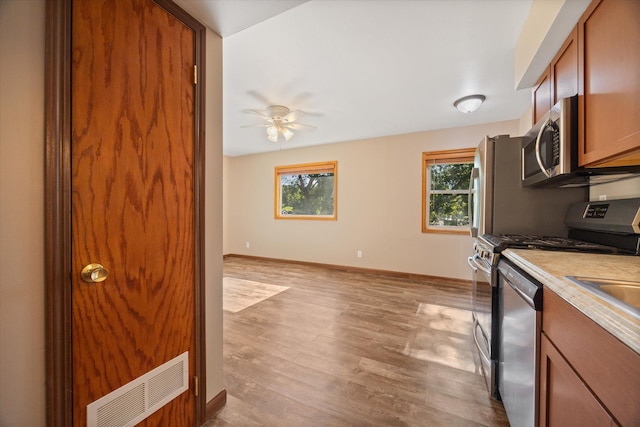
(596, 211)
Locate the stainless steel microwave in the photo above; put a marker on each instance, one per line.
(550, 148)
(550, 153)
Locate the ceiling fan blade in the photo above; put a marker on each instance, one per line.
(261, 125)
(294, 115)
(298, 126)
(261, 98)
(258, 112)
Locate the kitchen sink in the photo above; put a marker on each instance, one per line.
(623, 294)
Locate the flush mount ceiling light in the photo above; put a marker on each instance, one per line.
(469, 104)
(280, 121)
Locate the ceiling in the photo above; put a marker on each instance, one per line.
(363, 68)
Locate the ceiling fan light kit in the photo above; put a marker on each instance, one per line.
(469, 104)
(280, 120)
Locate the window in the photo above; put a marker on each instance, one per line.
(445, 190)
(307, 191)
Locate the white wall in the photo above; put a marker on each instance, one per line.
(22, 336)
(379, 205)
(213, 215)
(624, 189)
(22, 345)
(226, 203)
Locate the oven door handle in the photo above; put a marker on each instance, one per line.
(476, 326)
(538, 155)
(472, 264)
(475, 266)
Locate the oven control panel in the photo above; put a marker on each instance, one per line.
(596, 210)
(614, 216)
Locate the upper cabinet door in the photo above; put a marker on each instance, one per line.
(542, 97)
(564, 69)
(560, 79)
(609, 82)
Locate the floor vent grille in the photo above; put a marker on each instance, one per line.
(135, 401)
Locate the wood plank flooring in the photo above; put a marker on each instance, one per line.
(344, 348)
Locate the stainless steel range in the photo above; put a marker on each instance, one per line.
(509, 302)
(500, 205)
(486, 295)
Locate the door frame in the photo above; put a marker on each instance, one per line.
(58, 338)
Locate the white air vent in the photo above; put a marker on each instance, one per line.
(135, 401)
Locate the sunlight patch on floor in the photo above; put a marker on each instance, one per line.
(238, 294)
(445, 318)
(445, 352)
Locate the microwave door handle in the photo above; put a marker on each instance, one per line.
(475, 172)
(538, 155)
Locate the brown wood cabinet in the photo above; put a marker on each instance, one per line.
(560, 79)
(565, 399)
(587, 376)
(609, 83)
(542, 96)
(564, 69)
(599, 61)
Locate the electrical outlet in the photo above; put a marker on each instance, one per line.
(248, 245)
(359, 254)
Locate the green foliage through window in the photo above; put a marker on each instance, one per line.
(445, 197)
(306, 191)
(449, 195)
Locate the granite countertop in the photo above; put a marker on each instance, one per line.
(550, 267)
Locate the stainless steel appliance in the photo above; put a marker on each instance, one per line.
(500, 205)
(615, 223)
(521, 320)
(499, 202)
(550, 152)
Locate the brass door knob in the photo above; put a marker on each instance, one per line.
(94, 273)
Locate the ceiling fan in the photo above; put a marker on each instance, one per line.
(280, 121)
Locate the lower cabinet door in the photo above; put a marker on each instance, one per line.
(564, 399)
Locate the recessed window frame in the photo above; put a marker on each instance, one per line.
(430, 158)
(307, 168)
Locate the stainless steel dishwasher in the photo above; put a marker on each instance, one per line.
(521, 309)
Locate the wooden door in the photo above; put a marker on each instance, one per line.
(132, 199)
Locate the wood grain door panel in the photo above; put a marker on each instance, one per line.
(564, 69)
(542, 97)
(564, 399)
(132, 183)
(609, 36)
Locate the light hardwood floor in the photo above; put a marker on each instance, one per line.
(344, 348)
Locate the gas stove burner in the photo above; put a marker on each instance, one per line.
(500, 242)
